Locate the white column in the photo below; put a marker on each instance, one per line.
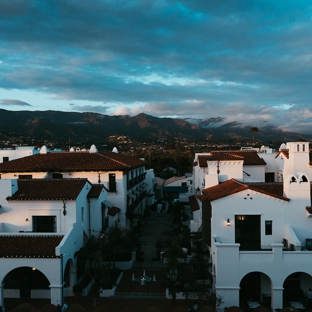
(56, 294)
(277, 298)
(229, 295)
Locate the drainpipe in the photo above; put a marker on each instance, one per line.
(89, 213)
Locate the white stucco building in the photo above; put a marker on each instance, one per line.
(179, 188)
(43, 222)
(123, 176)
(11, 153)
(48, 201)
(260, 233)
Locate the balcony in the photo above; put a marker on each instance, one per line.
(133, 182)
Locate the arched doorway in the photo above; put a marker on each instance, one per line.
(70, 277)
(255, 286)
(295, 286)
(20, 282)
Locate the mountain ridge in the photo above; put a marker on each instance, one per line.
(61, 125)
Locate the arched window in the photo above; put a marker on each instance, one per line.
(304, 179)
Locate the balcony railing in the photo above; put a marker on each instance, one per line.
(112, 187)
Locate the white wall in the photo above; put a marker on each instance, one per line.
(17, 152)
(96, 213)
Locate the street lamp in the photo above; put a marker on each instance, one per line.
(173, 276)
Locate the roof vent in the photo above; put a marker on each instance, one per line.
(93, 149)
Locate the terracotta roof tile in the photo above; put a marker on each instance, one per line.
(96, 190)
(72, 161)
(249, 157)
(19, 246)
(193, 203)
(48, 189)
(233, 186)
(285, 152)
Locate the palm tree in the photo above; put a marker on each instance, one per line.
(254, 130)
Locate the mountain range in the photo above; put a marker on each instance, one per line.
(59, 125)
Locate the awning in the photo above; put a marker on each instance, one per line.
(113, 211)
(107, 203)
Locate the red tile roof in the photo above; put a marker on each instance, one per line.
(249, 157)
(233, 186)
(193, 203)
(285, 152)
(48, 189)
(21, 246)
(72, 161)
(96, 190)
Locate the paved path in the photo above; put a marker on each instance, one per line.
(152, 229)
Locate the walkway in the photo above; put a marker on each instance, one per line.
(152, 229)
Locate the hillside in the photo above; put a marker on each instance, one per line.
(52, 125)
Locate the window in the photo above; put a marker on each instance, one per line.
(303, 147)
(268, 227)
(112, 182)
(270, 177)
(57, 175)
(82, 214)
(183, 184)
(45, 224)
(297, 147)
(25, 176)
(247, 231)
(5, 159)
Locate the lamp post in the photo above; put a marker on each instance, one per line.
(173, 276)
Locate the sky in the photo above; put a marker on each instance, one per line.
(244, 61)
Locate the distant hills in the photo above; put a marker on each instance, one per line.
(58, 125)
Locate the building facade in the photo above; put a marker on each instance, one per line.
(43, 223)
(259, 233)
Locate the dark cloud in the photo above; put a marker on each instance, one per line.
(7, 102)
(239, 60)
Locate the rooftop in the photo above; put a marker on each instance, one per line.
(72, 161)
(18, 246)
(48, 189)
(250, 157)
(233, 186)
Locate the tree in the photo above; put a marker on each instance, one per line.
(254, 130)
(88, 256)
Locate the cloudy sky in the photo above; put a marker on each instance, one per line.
(247, 61)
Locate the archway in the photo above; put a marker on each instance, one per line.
(255, 286)
(295, 286)
(20, 282)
